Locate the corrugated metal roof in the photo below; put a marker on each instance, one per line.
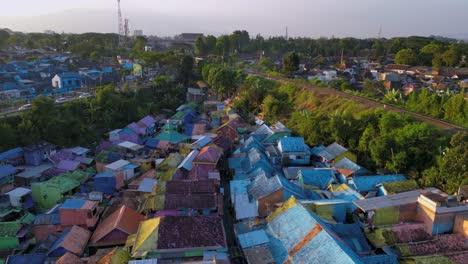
(73, 240)
(147, 185)
(34, 171)
(68, 165)
(19, 192)
(35, 258)
(262, 186)
(244, 208)
(332, 151)
(347, 164)
(7, 170)
(73, 204)
(209, 154)
(187, 162)
(125, 219)
(47, 219)
(292, 144)
(254, 238)
(117, 165)
(321, 178)
(12, 153)
(201, 142)
(388, 201)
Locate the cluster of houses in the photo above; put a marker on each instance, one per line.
(403, 78)
(51, 73)
(202, 185)
(151, 191)
(297, 204)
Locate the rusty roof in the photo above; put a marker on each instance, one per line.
(69, 258)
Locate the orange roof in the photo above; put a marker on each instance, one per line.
(345, 172)
(69, 258)
(125, 219)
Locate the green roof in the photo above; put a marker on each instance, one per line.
(28, 218)
(79, 176)
(9, 229)
(179, 115)
(172, 136)
(400, 186)
(169, 126)
(65, 184)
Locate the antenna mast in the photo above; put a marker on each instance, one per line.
(121, 26)
(287, 36)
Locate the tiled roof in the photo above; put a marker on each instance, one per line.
(196, 201)
(125, 220)
(187, 187)
(178, 232)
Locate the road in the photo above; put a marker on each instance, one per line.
(10, 112)
(370, 103)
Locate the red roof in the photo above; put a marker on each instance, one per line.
(75, 241)
(69, 258)
(209, 154)
(125, 219)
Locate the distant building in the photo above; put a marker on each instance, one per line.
(188, 38)
(137, 33)
(67, 81)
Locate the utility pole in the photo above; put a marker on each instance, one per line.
(120, 25)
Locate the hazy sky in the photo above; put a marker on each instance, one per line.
(312, 18)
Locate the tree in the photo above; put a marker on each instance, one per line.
(185, 70)
(406, 56)
(4, 35)
(223, 45)
(140, 43)
(452, 169)
(290, 63)
(450, 57)
(200, 48)
(210, 44)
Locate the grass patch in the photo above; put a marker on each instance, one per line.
(400, 186)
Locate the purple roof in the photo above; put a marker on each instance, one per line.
(148, 121)
(62, 155)
(138, 129)
(68, 165)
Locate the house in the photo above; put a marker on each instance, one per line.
(21, 197)
(299, 236)
(37, 153)
(107, 157)
(31, 175)
(47, 194)
(67, 81)
(108, 182)
(82, 213)
(187, 162)
(7, 177)
(229, 130)
(347, 168)
(195, 130)
(115, 229)
(195, 95)
(172, 137)
(208, 155)
(13, 157)
(79, 151)
(294, 151)
(334, 153)
(319, 178)
(147, 185)
(148, 122)
(73, 240)
(122, 166)
(45, 225)
(243, 207)
(179, 236)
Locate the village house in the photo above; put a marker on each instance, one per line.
(83, 213)
(67, 81)
(37, 153)
(294, 151)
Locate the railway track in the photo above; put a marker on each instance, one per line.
(442, 124)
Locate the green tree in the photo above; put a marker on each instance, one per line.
(451, 57)
(4, 36)
(290, 63)
(185, 70)
(406, 56)
(140, 43)
(223, 45)
(200, 48)
(210, 44)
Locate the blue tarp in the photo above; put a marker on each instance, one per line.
(368, 183)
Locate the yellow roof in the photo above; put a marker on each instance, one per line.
(290, 203)
(147, 236)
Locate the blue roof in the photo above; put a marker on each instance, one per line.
(73, 204)
(291, 227)
(147, 185)
(152, 143)
(380, 259)
(320, 178)
(104, 175)
(7, 170)
(130, 166)
(12, 153)
(59, 241)
(35, 258)
(254, 238)
(203, 141)
(293, 144)
(47, 219)
(368, 183)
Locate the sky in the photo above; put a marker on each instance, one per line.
(304, 18)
